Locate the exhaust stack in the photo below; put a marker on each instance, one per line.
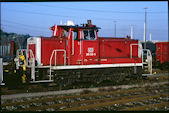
(89, 22)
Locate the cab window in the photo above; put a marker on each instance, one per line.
(86, 35)
(89, 35)
(92, 34)
(65, 33)
(75, 35)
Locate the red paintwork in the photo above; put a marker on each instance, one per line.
(120, 60)
(162, 51)
(12, 47)
(33, 48)
(86, 52)
(90, 52)
(47, 47)
(117, 48)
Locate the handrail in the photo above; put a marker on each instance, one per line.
(148, 51)
(31, 56)
(81, 35)
(73, 43)
(17, 54)
(26, 51)
(69, 45)
(20, 50)
(54, 52)
(32, 60)
(148, 54)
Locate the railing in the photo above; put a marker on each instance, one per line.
(148, 59)
(145, 59)
(73, 45)
(29, 62)
(55, 53)
(32, 58)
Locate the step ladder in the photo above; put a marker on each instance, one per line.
(147, 62)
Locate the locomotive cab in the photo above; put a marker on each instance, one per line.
(81, 43)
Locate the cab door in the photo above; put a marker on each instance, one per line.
(90, 47)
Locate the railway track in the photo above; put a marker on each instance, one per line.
(51, 86)
(140, 98)
(110, 103)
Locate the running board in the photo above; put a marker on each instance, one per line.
(95, 66)
(41, 81)
(2, 84)
(147, 74)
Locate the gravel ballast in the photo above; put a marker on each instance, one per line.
(71, 91)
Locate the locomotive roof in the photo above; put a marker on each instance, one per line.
(79, 27)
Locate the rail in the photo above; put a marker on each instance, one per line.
(54, 53)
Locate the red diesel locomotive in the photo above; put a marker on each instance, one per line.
(76, 54)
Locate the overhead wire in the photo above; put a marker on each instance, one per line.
(77, 17)
(91, 10)
(23, 28)
(48, 14)
(32, 26)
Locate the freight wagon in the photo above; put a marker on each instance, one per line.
(162, 52)
(162, 55)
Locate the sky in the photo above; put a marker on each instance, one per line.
(36, 18)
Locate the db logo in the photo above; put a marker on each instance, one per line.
(90, 50)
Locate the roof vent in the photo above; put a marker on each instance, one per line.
(70, 23)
